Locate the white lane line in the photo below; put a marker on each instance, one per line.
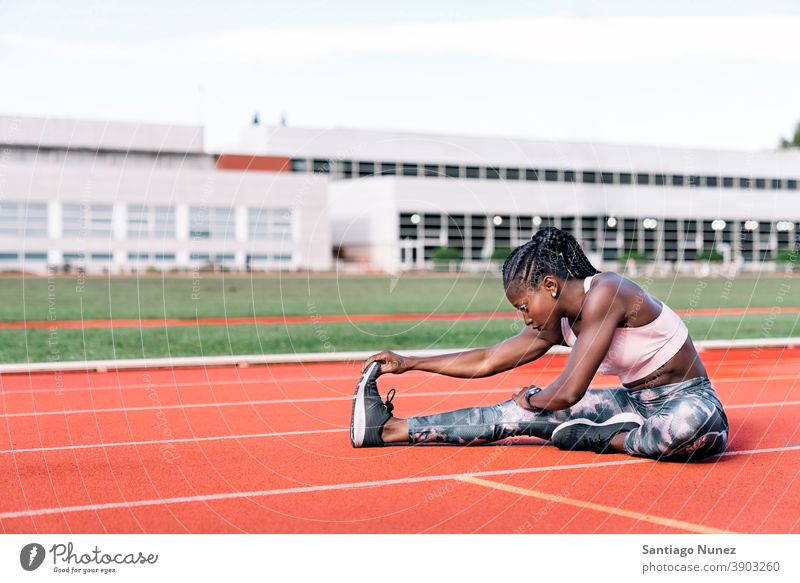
(319, 357)
(210, 384)
(242, 403)
(262, 435)
(270, 379)
(282, 401)
(347, 486)
(170, 441)
(758, 405)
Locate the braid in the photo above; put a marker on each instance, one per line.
(550, 251)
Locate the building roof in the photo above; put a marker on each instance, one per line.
(393, 146)
(41, 132)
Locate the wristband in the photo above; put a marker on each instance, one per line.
(529, 393)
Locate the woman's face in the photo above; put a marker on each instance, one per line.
(537, 306)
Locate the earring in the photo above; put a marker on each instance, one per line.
(554, 294)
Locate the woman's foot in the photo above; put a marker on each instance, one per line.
(587, 435)
(370, 413)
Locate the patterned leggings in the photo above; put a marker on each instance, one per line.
(682, 421)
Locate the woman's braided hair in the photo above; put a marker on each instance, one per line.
(550, 251)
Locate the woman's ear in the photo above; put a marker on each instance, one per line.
(550, 285)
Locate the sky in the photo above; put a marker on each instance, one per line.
(711, 74)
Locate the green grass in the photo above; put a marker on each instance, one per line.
(75, 298)
(70, 298)
(106, 343)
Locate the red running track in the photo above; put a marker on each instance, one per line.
(333, 318)
(265, 449)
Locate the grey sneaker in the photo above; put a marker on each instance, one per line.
(586, 435)
(370, 413)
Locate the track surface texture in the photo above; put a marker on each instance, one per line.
(266, 449)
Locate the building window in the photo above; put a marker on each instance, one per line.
(727, 182)
(744, 183)
(87, 220)
(388, 168)
(677, 180)
(607, 177)
(493, 173)
(322, 166)
(409, 225)
(551, 175)
(299, 165)
(791, 184)
(761, 183)
(431, 226)
(643, 179)
(451, 171)
(431, 170)
(410, 169)
(366, 168)
(625, 178)
(165, 256)
(512, 173)
(531, 174)
(589, 177)
(473, 172)
(776, 184)
(570, 176)
(266, 223)
(711, 181)
(211, 223)
(20, 219)
(148, 222)
(41, 256)
(347, 168)
(660, 179)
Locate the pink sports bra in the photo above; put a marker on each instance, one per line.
(637, 352)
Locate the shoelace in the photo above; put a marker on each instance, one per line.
(388, 403)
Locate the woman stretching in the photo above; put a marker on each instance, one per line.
(666, 409)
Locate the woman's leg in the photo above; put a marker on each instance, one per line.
(474, 425)
(690, 426)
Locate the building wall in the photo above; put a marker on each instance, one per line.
(107, 245)
(664, 223)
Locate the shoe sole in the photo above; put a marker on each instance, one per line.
(618, 419)
(358, 420)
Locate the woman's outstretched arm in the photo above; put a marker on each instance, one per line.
(525, 347)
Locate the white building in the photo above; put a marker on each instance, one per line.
(395, 197)
(121, 197)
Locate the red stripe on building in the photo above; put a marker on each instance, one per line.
(253, 163)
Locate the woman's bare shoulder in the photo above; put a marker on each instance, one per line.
(615, 283)
(624, 293)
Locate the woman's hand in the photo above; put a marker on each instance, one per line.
(521, 397)
(390, 362)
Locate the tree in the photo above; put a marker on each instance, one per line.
(445, 257)
(795, 141)
(500, 253)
